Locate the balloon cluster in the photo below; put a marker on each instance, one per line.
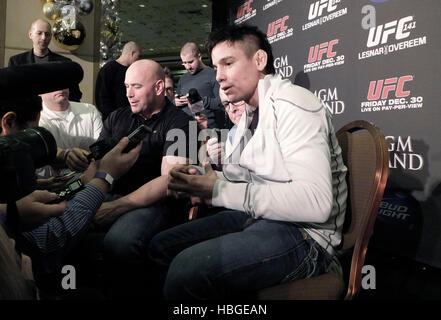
(68, 31)
(110, 41)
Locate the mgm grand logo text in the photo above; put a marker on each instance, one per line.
(330, 99)
(402, 154)
(282, 66)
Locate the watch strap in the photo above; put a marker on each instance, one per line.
(105, 176)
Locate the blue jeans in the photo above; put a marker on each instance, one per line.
(229, 254)
(129, 236)
(124, 247)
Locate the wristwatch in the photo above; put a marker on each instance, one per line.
(105, 176)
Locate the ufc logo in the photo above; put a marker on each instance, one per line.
(244, 9)
(384, 87)
(274, 27)
(316, 52)
(316, 9)
(381, 33)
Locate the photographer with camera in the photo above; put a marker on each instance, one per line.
(16, 116)
(48, 242)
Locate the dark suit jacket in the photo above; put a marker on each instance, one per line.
(28, 57)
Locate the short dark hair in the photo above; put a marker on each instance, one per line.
(234, 33)
(26, 108)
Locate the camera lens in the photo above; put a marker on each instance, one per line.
(43, 148)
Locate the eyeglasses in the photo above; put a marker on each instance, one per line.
(227, 105)
(170, 89)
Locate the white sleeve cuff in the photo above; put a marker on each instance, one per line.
(229, 195)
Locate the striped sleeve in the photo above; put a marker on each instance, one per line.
(54, 239)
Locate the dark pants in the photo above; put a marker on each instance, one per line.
(228, 255)
(128, 271)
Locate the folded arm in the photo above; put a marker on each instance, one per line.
(146, 195)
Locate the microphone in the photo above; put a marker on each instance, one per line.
(38, 78)
(193, 96)
(196, 102)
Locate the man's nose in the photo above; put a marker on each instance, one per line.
(219, 75)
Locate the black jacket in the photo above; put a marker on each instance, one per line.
(28, 57)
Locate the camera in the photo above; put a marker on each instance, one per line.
(20, 154)
(101, 147)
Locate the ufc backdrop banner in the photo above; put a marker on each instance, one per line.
(376, 60)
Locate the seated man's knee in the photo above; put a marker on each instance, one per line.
(113, 248)
(155, 251)
(187, 278)
(117, 246)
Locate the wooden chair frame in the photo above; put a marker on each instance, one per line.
(356, 237)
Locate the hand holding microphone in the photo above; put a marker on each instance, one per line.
(215, 151)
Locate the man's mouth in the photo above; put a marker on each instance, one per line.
(226, 89)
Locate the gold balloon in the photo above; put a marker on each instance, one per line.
(68, 34)
(51, 11)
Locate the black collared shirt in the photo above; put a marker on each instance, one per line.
(121, 122)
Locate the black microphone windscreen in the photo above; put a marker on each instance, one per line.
(193, 95)
(38, 78)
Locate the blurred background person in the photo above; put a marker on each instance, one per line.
(169, 85)
(110, 91)
(74, 125)
(215, 149)
(40, 34)
(203, 79)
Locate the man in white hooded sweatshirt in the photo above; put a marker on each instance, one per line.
(285, 196)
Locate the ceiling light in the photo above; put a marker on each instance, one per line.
(142, 5)
(204, 6)
(151, 49)
(129, 21)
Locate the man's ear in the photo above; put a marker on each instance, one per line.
(8, 123)
(30, 34)
(261, 59)
(160, 87)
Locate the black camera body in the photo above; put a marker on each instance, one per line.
(20, 154)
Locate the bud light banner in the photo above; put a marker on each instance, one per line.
(377, 61)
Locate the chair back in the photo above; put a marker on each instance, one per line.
(366, 157)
